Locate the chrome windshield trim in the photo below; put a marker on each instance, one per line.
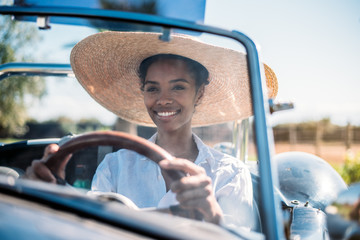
(43, 141)
(35, 69)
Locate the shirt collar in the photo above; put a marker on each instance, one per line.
(151, 139)
(204, 150)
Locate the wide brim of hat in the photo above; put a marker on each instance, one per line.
(106, 65)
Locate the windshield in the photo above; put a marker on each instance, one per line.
(151, 81)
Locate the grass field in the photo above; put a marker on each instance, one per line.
(9, 140)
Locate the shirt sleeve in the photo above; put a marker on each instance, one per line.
(102, 180)
(234, 193)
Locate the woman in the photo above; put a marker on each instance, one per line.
(172, 95)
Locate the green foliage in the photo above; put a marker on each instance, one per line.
(13, 91)
(67, 125)
(82, 126)
(350, 171)
(90, 124)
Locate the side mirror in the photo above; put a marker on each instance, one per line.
(344, 214)
(280, 106)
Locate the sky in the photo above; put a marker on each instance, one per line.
(313, 47)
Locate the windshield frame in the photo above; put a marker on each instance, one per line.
(270, 209)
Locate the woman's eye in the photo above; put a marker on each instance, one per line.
(151, 89)
(178, 87)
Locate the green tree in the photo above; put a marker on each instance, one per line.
(15, 36)
(350, 171)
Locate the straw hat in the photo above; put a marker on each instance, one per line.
(106, 65)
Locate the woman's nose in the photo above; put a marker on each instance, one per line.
(164, 98)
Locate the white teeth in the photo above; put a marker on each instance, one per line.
(166, 114)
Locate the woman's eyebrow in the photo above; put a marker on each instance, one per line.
(179, 80)
(171, 81)
(151, 82)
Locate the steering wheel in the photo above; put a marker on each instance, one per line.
(58, 161)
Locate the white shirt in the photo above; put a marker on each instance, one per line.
(140, 179)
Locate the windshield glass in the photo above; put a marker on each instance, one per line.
(150, 81)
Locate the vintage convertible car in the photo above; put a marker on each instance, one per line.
(293, 192)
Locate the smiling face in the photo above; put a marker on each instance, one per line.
(170, 95)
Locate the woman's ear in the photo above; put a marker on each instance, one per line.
(199, 95)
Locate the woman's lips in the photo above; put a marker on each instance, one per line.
(166, 114)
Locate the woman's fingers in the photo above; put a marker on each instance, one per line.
(49, 150)
(194, 191)
(197, 176)
(191, 182)
(194, 194)
(38, 171)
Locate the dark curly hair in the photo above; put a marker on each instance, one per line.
(197, 70)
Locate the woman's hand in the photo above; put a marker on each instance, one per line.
(38, 170)
(194, 191)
